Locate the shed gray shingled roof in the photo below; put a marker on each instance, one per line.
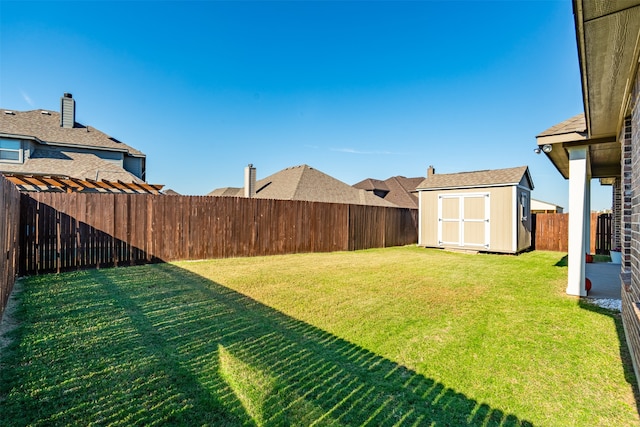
(484, 178)
(45, 126)
(306, 183)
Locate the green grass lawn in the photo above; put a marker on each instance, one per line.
(399, 336)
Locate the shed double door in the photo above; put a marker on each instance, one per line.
(463, 220)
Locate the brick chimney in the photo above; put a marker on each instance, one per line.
(67, 111)
(249, 181)
(431, 171)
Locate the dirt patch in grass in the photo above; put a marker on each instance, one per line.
(8, 322)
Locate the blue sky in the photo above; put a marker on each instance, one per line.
(355, 89)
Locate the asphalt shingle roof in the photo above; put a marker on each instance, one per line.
(71, 164)
(62, 151)
(509, 176)
(371, 184)
(227, 192)
(399, 189)
(306, 183)
(45, 127)
(576, 123)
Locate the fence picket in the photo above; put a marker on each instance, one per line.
(73, 231)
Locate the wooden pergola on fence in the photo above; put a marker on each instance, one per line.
(50, 183)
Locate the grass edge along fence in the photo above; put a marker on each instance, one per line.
(61, 231)
(9, 228)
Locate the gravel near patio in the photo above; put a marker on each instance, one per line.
(611, 304)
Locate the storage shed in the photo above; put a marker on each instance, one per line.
(487, 210)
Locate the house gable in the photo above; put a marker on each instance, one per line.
(53, 143)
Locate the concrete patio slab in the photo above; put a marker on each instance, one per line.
(605, 280)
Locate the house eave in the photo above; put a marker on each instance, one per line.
(604, 153)
(608, 41)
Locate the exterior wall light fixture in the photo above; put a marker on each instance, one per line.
(546, 148)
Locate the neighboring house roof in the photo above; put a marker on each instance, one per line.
(398, 190)
(306, 183)
(44, 127)
(484, 178)
(170, 192)
(70, 164)
(30, 183)
(227, 192)
(54, 144)
(402, 191)
(371, 184)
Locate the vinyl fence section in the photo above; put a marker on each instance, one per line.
(75, 231)
(551, 232)
(9, 220)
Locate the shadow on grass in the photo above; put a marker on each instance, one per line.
(158, 344)
(616, 317)
(625, 355)
(563, 262)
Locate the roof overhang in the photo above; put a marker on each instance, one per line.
(604, 153)
(608, 38)
(608, 41)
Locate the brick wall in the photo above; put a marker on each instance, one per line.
(629, 157)
(616, 209)
(631, 228)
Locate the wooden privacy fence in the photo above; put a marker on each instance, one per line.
(551, 232)
(9, 220)
(73, 231)
(604, 230)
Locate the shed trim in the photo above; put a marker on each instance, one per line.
(515, 223)
(517, 184)
(420, 219)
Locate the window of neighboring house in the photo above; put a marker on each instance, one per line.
(10, 151)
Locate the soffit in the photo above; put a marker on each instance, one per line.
(608, 34)
(604, 152)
